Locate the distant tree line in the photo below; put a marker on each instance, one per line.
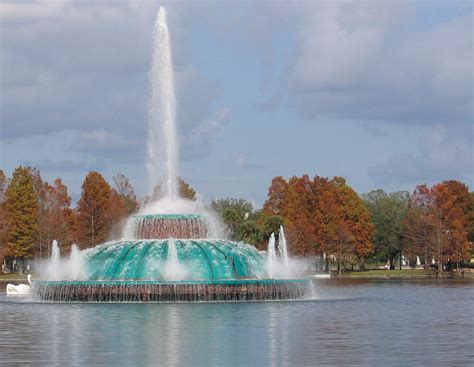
(321, 216)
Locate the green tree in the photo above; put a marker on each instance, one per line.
(249, 232)
(388, 212)
(242, 207)
(271, 224)
(21, 209)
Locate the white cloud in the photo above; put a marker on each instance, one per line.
(362, 61)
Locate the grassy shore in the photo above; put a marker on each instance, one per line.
(14, 276)
(404, 273)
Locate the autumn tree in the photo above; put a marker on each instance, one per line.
(185, 192)
(437, 222)
(321, 216)
(276, 194)
(354, 228)
(297, 210)
(450, 224)
(93, 219)
(418, 225)
(3, 217)
(388, 212)
(56, 216)
(21, 210)
(126, 193)
(470, 218)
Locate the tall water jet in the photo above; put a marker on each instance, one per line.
(283, 251)
(162, 110)
(271, 256)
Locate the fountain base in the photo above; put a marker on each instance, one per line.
(171, 291)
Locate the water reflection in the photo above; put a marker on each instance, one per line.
(368, 323)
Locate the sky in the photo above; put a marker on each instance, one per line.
(379, 92)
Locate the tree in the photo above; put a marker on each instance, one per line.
(321, 216)
(418, 225)
(233, 212)
(297, 210)
(437, 217)
(249, 232)
(126, 193)
(352, 220)
(21, 209)
(241, 206)
(271, 224)
(3, 217)
(470, 218)
(276, 194)
(185, 192)
(93, 219)
(450, 224)
(388, 212)
(55, 219)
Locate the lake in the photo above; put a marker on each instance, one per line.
(354, 322)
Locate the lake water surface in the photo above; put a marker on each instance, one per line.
(354, 322)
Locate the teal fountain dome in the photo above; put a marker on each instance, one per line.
(173, 261)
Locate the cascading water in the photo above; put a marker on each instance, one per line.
(162, 109)
(173, 269)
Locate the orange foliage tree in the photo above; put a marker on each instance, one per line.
(56, 217)
(322, 216)
(438, 222)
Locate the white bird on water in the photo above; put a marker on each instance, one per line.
(20, 289)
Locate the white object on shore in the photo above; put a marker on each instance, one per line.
(321, 276)
(20, 289)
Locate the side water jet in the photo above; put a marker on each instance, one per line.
(54, 267)
(271, 256)
(283, 250)
(76, 265)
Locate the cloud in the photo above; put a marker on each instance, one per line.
(362, 61)
(109, 144)
(198, 143)
(443, 154)
(79, 66)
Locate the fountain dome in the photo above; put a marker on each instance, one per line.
(200, 259)
(159, 267)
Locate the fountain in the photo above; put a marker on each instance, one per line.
(166, 255)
